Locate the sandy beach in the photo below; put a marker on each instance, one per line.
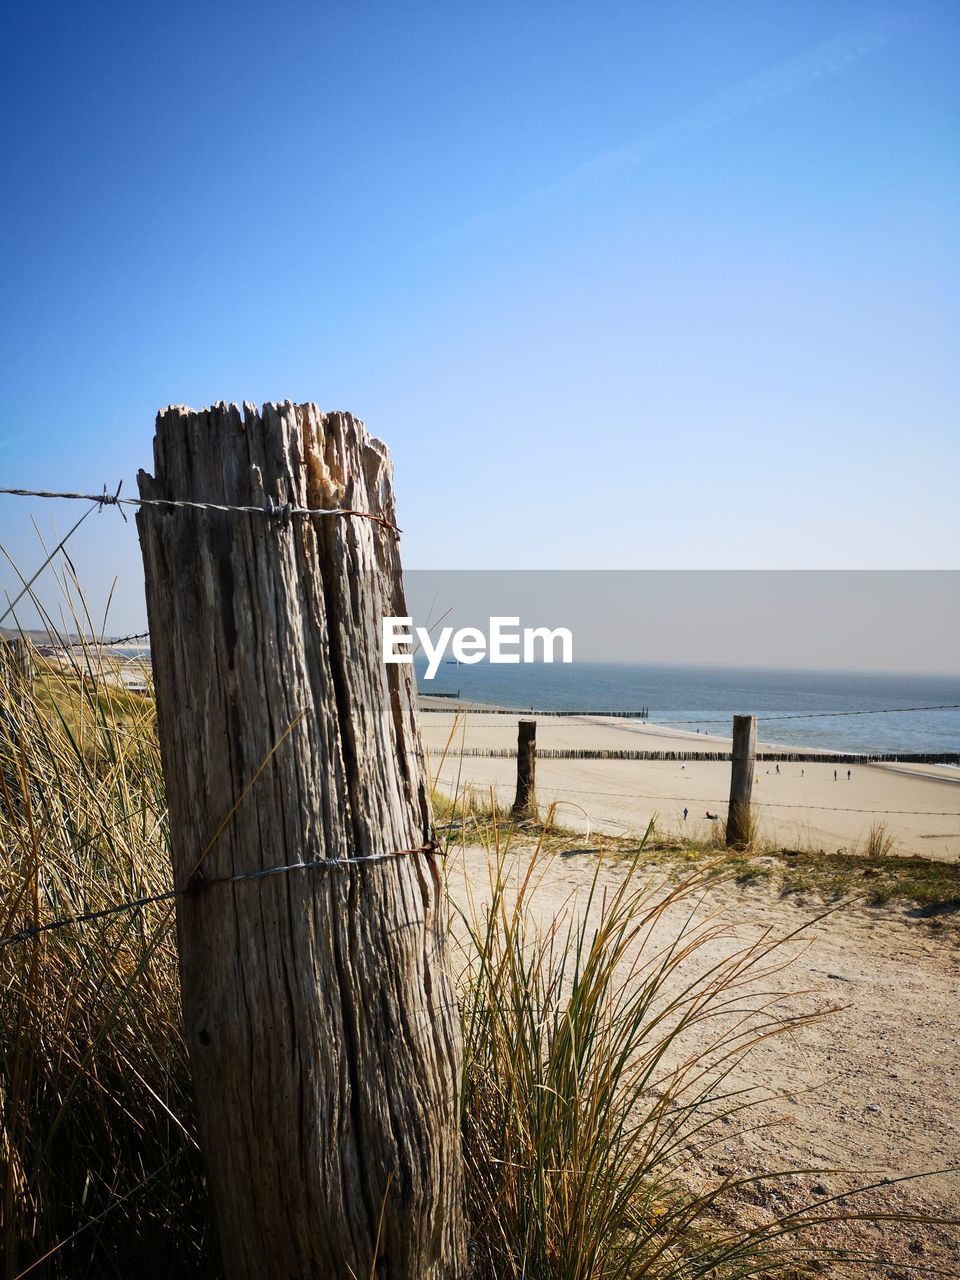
(865, 1093)
(802, 807)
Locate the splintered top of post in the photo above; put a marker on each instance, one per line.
(248, 408)
(282, 452)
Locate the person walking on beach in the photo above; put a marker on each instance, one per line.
(778, 769)
(834, 775)
(848, 775)
(685, 812)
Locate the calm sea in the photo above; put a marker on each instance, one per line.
(692, 696)
(709, 697)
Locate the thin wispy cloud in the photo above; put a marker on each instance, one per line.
(12, 440)
(823, 62)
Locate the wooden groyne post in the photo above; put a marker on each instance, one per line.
(319, 1010)
(739, 819)
(525, 804)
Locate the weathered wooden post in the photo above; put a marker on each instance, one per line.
(739, 818)
(525, 804)
(319, 1010)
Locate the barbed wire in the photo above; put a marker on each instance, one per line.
(199, 882)
(140, 635)
(102, 641)
(87, 917)
(279, 511)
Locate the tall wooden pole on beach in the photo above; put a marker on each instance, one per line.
(739, 818)
(525, 804)
(318, 1005)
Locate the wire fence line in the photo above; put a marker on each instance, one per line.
(105, 642)
(282, 512)
(279, 512)
(199, 882)
(139, 635)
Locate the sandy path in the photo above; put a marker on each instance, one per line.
(801, 807)
(873, 1087)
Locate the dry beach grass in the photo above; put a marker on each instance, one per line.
(856, 1085)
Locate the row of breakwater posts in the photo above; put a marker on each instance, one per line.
(798, 757)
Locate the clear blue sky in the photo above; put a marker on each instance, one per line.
(622, 285)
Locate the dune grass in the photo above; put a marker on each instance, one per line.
(581, 1094)
(879, 842)
(600, 1045)
(99, 1154)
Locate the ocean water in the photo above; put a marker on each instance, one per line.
(709, 697)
